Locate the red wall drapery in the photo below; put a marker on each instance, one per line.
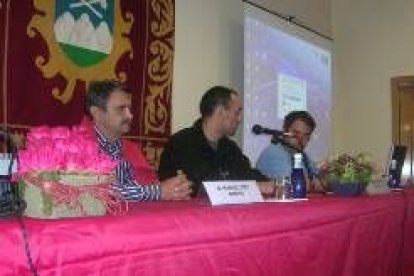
(45, 78)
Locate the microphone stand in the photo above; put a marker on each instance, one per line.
(277, 139)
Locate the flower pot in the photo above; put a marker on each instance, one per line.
(347, 188)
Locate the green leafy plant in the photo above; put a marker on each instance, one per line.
(348, 168)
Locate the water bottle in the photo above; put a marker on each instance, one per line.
(298, 177)
(393, 179)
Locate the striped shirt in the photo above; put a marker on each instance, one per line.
(125, 183)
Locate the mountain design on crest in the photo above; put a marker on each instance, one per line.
(82, 33)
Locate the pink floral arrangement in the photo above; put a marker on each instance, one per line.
(63, 149)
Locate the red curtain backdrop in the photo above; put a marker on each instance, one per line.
(51, 50)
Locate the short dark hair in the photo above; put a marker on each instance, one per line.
(213, 98)
(299, 115)
(98, 93)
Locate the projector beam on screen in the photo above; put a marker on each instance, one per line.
(286, 68)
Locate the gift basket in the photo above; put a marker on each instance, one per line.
(63, 173)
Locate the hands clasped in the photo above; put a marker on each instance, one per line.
(176, 188)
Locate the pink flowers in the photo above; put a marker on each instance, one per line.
(63, 149)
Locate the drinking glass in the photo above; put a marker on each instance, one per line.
(283, 187)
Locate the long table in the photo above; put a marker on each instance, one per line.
(408, 235)
(367, 235)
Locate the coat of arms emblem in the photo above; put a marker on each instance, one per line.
(85, 40)
(83, 29)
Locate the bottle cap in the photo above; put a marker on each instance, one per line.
(297, 160)
(393, 164)
(297, 156)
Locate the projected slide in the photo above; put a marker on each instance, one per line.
(286, 69)
(291, 96)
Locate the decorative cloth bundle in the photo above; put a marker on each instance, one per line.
(64, 174)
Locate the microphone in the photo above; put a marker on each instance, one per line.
(258, 129)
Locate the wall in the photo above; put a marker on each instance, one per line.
(374, 41)
(209, 46)
(208, 51)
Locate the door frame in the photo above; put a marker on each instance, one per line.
(398, 84)
(401, 84)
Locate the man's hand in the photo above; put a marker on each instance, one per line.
(176, 188)
(266, 188)
(317, 186)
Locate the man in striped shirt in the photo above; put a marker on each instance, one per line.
(108, 103)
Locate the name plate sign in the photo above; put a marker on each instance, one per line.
(232, 192)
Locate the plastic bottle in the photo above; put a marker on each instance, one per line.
(298, 177)
(393, 179)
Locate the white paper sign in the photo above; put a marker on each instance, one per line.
(232, 192)
(5, 163)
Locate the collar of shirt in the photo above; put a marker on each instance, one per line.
(114, 149)
(215, 146)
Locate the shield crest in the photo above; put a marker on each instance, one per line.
(84, 29)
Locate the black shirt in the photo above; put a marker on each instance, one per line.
(189, 150)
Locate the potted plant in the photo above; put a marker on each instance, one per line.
(348, 174)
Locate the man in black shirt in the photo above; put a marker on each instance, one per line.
(204, 151)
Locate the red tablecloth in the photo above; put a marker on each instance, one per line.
(323, 236)
(408, 250)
